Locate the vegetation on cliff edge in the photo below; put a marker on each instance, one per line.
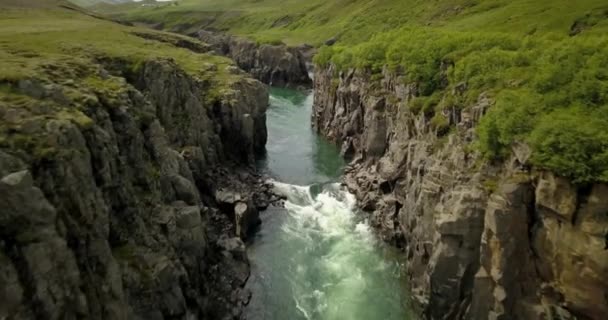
(548, 91)
(53, 65)
(544, 64)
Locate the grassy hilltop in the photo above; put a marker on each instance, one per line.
(52, 46)
(353, 21)
(544, 63)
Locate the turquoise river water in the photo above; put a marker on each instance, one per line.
(317, 258)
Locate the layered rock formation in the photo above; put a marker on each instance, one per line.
(483, 241)
(276, 65)
(108, 175)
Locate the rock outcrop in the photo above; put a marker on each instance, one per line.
(483, 241)
(276, 65)
(107, 181)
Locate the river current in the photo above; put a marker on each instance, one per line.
(316, 258)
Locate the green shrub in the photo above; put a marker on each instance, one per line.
(323, 56)
(417, 104)
(343, 61)
(573, 144)
(511, 119)
(424, 104)
(430, 104)
(441, 124)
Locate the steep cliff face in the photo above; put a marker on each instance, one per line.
(276, 65)
(483, 241)
(108, 180)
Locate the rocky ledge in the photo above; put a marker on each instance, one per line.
(276, 65)
(110, 176)
(483, 241)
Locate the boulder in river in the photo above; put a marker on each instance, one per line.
(246, 217)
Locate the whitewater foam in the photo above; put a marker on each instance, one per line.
(335, 249)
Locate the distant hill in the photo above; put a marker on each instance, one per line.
(354, 21)
(33, 3)
(89, 3)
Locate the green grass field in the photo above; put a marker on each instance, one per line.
(45, 48)
(354, 21)
(33, 37)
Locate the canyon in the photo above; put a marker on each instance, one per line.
(211, 175)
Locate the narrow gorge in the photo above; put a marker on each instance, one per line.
(212, 159)
(317, 257)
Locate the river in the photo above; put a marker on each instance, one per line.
(316, 258)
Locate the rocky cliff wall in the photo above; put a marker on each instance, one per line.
(112, 178)
(483, 241)
(276, 65)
